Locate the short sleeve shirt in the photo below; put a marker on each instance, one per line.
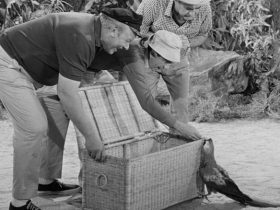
(62, 43)
(157, 15)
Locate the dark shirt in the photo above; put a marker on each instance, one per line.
(62, 43)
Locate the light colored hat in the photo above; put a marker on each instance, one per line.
(198, 2)
(166, 44)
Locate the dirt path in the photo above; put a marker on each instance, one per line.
(249, 150)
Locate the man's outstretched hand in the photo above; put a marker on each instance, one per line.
(96, 150)
(187, 131)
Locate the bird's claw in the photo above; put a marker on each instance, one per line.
(203, 195)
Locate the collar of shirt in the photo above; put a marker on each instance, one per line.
(97, 31)
(168, 11)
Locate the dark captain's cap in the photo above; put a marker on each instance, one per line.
(126, 16)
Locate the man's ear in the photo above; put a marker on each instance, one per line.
(145, 40)
(114, 32)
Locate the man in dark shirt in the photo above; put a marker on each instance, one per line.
(55, 49)
(143, 64)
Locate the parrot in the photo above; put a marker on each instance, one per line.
(217, 179)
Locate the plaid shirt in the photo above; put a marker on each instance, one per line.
(157, 15)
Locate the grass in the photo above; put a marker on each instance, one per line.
(204, 106)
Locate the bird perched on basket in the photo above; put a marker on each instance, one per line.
(217, 179)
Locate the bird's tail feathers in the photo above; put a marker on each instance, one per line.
(239, 197)
(256, 202)
(252, 201)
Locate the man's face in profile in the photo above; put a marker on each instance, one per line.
(117, 39)
(158, 62)
(185, 11)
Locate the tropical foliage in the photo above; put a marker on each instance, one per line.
(243, 26)
(20, 11)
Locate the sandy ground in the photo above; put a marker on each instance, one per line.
(249, 150)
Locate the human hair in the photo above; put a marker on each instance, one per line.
(109, 23)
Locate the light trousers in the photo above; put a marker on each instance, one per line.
(29, 120)
(40, 127)
(58, 122)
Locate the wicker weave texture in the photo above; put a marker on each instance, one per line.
(164, 178)
(140, 173)
(103, 184)
(143, 182)
(115, 111)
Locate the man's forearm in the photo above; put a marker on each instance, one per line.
(139, 78)
(194, 42)
(197, 41)
(73, 107)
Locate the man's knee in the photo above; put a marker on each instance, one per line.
(32, 130)
(40, 128)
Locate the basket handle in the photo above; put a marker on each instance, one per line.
(101, 180)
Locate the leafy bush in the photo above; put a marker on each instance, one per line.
(20, 11)
(95, 6)
(242, 26)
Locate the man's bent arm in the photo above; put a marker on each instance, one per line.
(68, 92)
(138, 78)
(193, 42)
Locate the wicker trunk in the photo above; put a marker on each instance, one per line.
(146, 169)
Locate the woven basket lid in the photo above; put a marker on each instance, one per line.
(115, 111)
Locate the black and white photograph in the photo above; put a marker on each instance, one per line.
(139, 104)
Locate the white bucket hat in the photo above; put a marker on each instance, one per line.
(196, 2)
(166, 44)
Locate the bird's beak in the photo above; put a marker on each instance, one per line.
(208, 140)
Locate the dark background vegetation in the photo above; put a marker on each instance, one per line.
(247, 27)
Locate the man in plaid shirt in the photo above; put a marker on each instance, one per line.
(191, 20)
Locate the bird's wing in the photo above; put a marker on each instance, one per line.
(223, 171)
(229, 189)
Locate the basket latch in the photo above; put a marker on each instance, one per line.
(162, 138)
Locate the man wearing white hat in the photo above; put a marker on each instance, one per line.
(143, 64)
(191, 20)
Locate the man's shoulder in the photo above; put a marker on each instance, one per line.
(156, 3)
(73, 24)
(206, 8)
(73, 17)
